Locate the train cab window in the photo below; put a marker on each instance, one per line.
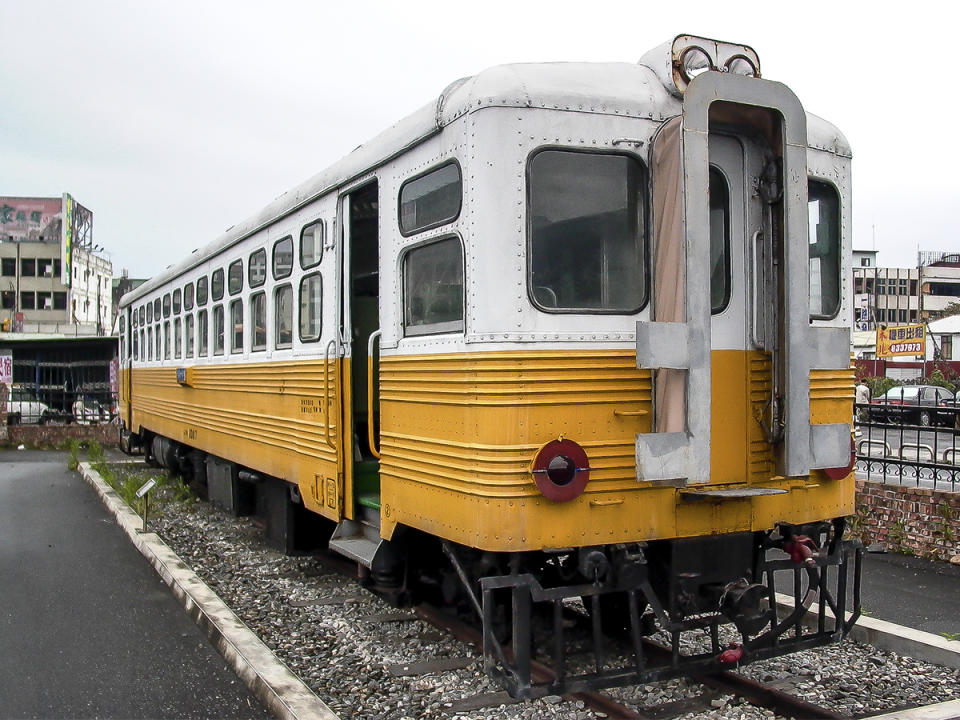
(282, 258)
(218, 330)
(216, 285)
(823, 208)
(188, 335)
(257, 268)
(166, 305)
(176, 301)
(188, 297)
(202, 338)
(431, 200)
(166, 341)
(311, 307)
(201, 291)
(585, 232)
(258, 321)
(311, 245)
(283, 321)
(235, 277)
(177, 338)
(433, 288)
(236, 326)
(719, 242)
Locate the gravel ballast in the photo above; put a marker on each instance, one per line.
(351, 647)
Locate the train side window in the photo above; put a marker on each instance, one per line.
(585, 232)
(257, 268)
(823, 209)
(216, 284)
(236, 326)
(202, 291)
(433, 288)
(283, 322)
(218, 330)
(202, 337)
(282, 258)
(311, 307)
(176, 301)
(431, 200)
(166, 305)
(166, 341)
(719, 242)
(188, 335)
(235, 277)
(148, 351)
(149, 312)
(158, 343)
(156, 309)
(258, 321)
(142, 314)
(188, 296)
(311, 245)
(177, 338)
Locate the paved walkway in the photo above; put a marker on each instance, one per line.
(87, 629)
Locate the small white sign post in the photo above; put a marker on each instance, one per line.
(143, 492)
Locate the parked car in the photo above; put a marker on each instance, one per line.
(25, 407)
(88, 409)
(915, 404)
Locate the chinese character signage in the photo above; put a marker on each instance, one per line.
(901, 340)
(66, 241)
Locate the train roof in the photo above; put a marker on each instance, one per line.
(630, 90)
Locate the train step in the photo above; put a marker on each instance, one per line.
(357, 541)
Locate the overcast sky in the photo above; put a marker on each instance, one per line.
(173, 120)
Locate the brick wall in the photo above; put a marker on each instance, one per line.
(913, 520)
(42, 436)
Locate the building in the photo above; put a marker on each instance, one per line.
(52, 280)
(885, 296)
(940, 284)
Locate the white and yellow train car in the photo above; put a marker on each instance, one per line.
(586, 319)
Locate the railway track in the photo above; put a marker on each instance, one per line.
(722, 682)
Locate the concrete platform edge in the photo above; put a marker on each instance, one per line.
(949, 710)
(284, 694)
(902, 640)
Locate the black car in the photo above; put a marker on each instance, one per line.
(915, 404)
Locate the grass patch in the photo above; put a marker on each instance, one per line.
(127, 478)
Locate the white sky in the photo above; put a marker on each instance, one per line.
(173, 120)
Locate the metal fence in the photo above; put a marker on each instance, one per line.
(61, 392)
(908, 444)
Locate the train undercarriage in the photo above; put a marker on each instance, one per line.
(599, 616)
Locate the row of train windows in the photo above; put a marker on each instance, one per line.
(197, 294)
(586, 240)
(193, 335)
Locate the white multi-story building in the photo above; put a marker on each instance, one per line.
(36, 294)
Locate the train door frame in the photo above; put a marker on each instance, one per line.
(360, 494)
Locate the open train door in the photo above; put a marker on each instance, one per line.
(358, 535)
(745, 137)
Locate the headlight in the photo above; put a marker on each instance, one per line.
(694, 60)
(741, 65)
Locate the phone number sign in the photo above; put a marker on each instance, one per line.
(901, 340)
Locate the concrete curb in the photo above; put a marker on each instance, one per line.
(949, 710)
(284, 694)
(897, 638)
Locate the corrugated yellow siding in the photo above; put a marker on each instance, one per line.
(459, 433)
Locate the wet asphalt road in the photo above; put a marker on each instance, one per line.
(87, 628)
